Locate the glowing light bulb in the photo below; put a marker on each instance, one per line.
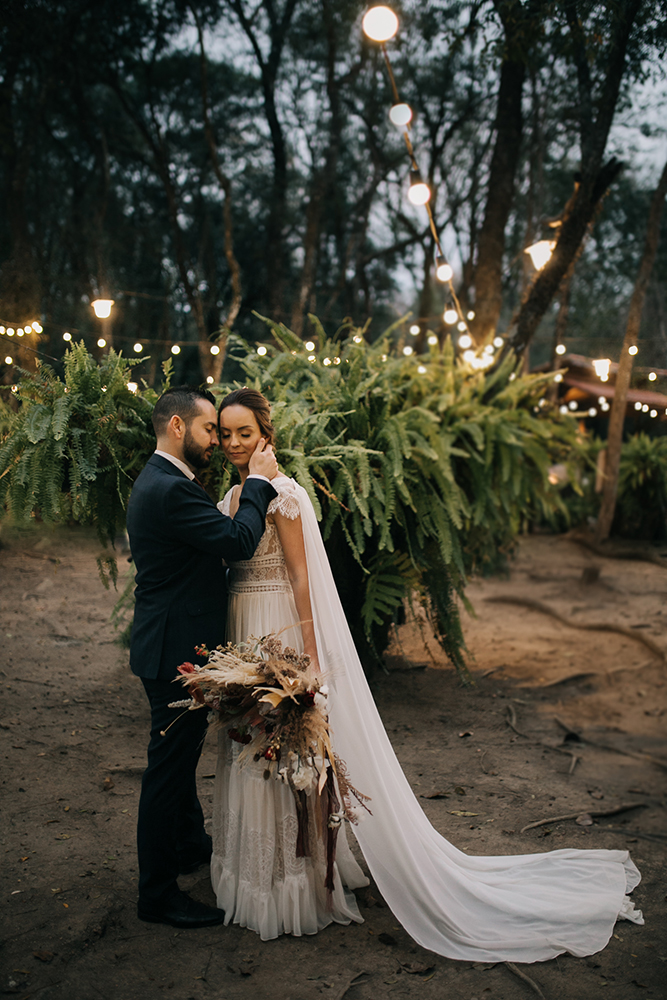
(210, 380)
(400, 115)
(638, 406)
(653, 413)
(101, 342)
(327, 362)
(10, 331)
(261, 350)
(310, 346)
(489, 349)
(560, 348)
(102, 308)
(421, 369)
(175, 349)
(9, 360)
(2, 329)
(67, 336)
(380, 24)
(592, 412)
(465, 341)
(469, 356)
(132, 386)
(652, 376)
(443, 269)
(37, 327)
(432, 340)
(645, 408)
(138, 348)
(498, 341)
(558, 377)
(414, 329)
(357, 340)
(336, 361)
(418, 192)
(311, 357)
(470, 314)
(28, 328)
(408, 351)
(633, 350)
(450, 315)
(540, 253)
(215, 349)
(573, 405)
(563, 409)
(19, 332)
(602, 366)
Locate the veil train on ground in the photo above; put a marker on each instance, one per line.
(520, 908)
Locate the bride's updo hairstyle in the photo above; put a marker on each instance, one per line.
(259, 405)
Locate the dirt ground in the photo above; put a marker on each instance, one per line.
(561, 721)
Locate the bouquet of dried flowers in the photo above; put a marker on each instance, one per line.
(274, 703)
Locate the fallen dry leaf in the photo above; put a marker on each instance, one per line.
(462, 812)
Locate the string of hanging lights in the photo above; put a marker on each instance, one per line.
(380, 24)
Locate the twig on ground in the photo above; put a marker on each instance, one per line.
(527, 602)
(624, 807)
(636, 754)
(350, 983)
(511, 722)
(522, 975)
(611, 549)
(656, 838)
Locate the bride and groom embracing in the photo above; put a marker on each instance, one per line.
(521, 908)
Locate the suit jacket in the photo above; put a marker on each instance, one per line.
(178, 540)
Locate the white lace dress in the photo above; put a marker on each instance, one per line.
(258, 880)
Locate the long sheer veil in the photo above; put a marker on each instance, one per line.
(521, 908)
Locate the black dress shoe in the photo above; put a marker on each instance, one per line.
(181, 911)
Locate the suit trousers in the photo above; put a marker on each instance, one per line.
(170, 827)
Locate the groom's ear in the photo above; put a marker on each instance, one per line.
(176, 426)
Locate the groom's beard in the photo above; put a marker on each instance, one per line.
(194, 454)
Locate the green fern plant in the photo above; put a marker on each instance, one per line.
(421, 471)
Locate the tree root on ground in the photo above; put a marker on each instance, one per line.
(527, 602)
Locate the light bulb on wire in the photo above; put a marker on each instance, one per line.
(419, 192)
(450, 315)
(380, 24)
(400, 115)
(443, 269)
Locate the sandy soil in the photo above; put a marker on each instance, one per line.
(486, 761)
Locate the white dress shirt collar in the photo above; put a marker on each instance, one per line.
(185, 469)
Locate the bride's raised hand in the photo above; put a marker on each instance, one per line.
(263, 461)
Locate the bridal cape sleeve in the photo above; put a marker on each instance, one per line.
(519, 908)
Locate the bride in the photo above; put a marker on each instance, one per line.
(521, 908)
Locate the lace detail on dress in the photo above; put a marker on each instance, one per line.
(286, 503)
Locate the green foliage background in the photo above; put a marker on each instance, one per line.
(421, 469)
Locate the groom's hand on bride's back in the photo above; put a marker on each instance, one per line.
(263, 461)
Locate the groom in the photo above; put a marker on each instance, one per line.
(178, 540)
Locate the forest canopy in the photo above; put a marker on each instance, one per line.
(198, 161)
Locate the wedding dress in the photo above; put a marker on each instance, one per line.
(520, 908)
(258, 880)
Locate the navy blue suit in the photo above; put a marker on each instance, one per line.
(178, 540)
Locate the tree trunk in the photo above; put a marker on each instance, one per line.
(617, 415)
(212, 363)
(595, 178)
(491, 246)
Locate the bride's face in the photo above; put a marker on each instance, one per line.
(239, 434)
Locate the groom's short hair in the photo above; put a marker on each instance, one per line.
(181, 399)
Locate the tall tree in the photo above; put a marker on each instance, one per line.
(619, 402)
